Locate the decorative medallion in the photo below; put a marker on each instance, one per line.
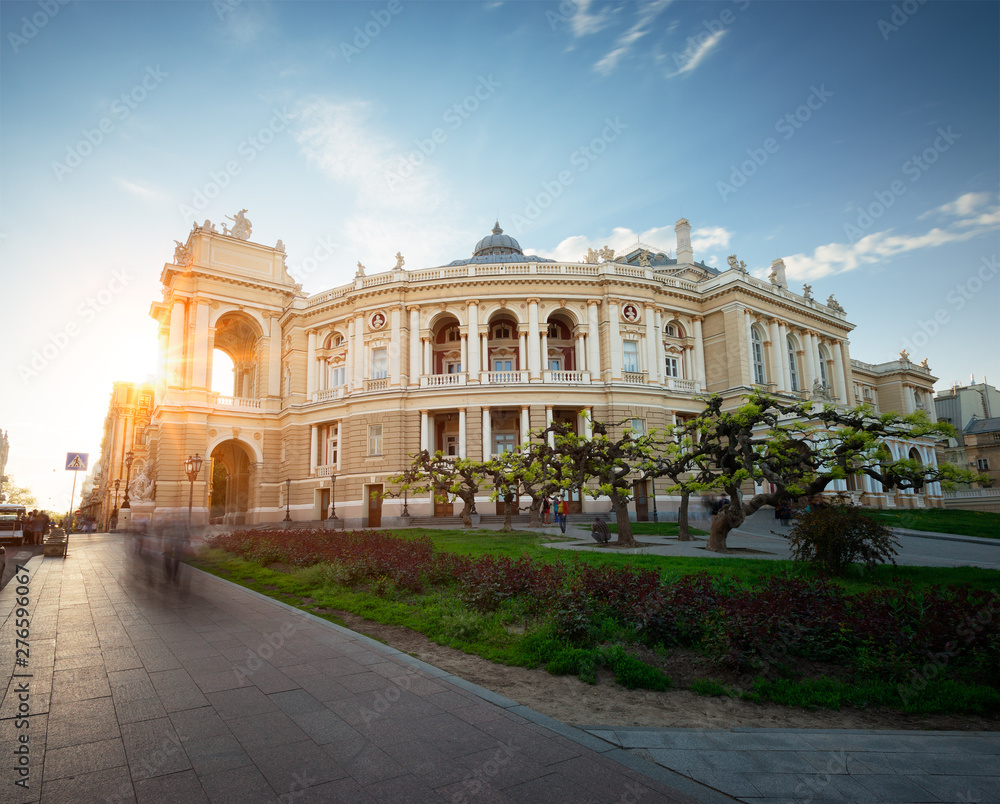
(256, 436)
(630, 312)
(213, 433)
(376, 321)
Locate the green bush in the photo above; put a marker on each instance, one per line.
(832, 537)
(706, 687)
(632, 673)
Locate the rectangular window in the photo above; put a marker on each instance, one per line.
(453, 367)
(672, 367)
(983, 463)
(333, 445)
(638, 427)
(555, 364)
(451, 445)
(338, 376)
(502, 365)
(375, 439)
(503, 442)
(380, 364)
(630, 352)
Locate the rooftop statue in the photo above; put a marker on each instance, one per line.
(241, 226)
(592, 257)
(735, 264)
(904, 355)
(607, 254)
(399, 261)
(833, 304)
(773, 276)
(807, 291)
(644, 259)
(182, 255)
(361, 269)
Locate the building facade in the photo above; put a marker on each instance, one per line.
(332, 392)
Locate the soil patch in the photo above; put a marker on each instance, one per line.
(605, 703)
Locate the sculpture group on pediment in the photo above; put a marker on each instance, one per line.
(241, 226)
(607, 254)
(736, 264)
(821, 391)
(182, 255)
(592, 257)
(644, 259)
(833, 304)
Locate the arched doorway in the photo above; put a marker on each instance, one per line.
(238, 337)
(232, 470)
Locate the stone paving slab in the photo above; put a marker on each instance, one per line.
(143, 691)
(814, 765)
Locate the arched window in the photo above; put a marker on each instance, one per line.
(670, 330)
(793, 366)
(757, 357)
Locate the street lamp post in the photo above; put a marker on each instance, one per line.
(192, 466)
(288, 499)
(333, 496)
(652, 485)
(129, 458)
(114, 511)
(406, 510)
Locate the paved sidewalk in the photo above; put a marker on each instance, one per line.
(144, 691)
(825, 765)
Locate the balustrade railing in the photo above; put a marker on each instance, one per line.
(236, 402)
(443, 380)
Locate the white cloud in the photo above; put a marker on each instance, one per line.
(145, 193)
(709, 237)
(623, 240)
(693, 58)
(647, 13)
(583, 23)
(962, 206)
(835, 258)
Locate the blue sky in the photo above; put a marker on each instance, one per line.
(858, 141)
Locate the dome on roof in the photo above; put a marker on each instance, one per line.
(497, 243)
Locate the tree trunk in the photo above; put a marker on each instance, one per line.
(625, 537)
(732, 516)
(507, 527)
(466, 513)
(683, 535)
(534, 513)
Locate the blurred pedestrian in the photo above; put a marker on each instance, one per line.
(563, 512)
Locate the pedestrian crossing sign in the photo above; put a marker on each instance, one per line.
(77, 461)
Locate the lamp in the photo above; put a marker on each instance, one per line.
(652, 486)
(288, 492)
(192, 466)
(114, 511)
(129, 458)
(333, 496)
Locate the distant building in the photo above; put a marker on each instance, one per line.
(974, 411)
(332, 392)
(125, 430)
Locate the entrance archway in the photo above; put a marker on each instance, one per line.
(232, 478)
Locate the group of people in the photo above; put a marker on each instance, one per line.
(558, 507)
(35, 526)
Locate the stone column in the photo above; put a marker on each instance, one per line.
(485, 343)
(688, 363)
(845, 354)
(465, 351)
(777, 356)
(786, 372)
(588, 424)
(659, 356)
(473, 343)
(593, 341)
(652, 353)
(428, 356)
(838, 371)
(551, 437)
(359, 352)
(463, 451)
(808, 368)
(525, 425)
(200, 378)
(311, 367)
(424, 431)
(699, 354)
(274, 360)
(415, 355)
(487, 435)
(350, 360)
(175, 345)
(545, 350)
(394, 352)
(534, 358)
(313, 448)
(581, 352)
(614, 341)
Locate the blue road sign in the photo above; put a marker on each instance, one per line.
(77, 461)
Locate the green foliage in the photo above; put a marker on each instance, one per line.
(832, 537)
(632, 673)
(942, 520)
(18, 495)
(708, 687)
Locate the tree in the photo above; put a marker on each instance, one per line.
(800, 450)
(18, 495)
(608, 460)
(505, 472)
(442, 476)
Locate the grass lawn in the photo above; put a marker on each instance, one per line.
(943, 520)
